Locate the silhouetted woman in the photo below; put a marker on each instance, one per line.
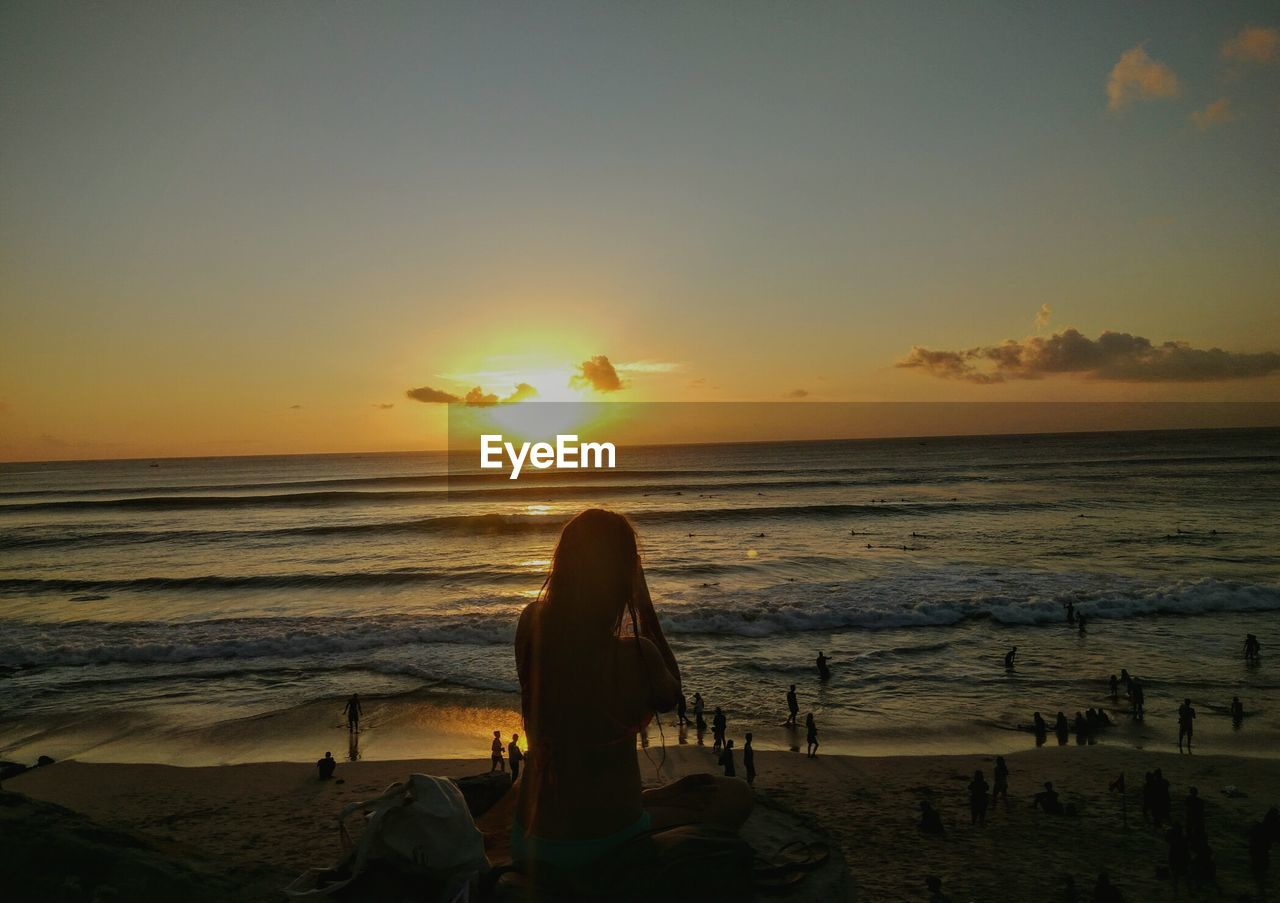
(594, 666)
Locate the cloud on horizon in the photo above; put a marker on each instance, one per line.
(1215, 113)
(1114, 356)
(597, 374)
(384, 406)
(1136, 77)
(798, 393)
(1254, 45)
(476, 397)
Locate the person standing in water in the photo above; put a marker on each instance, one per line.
(1071, 612)
(353, 712)
(824, 673)
(1009, 657)
(812, 731)
(726, 760)
(793, 706)
(1186, 719)
(514, 756)
(496, 762)
(1251, 648)
(1237, 712)
(749, 759)
(1080, 624)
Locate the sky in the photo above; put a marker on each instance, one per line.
(287, 227)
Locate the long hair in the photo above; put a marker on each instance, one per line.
(587, 597)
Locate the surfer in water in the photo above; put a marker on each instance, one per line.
(824, 673)
(1009, 657)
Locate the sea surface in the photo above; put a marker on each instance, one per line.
(220, 609)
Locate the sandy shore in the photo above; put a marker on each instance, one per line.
(273, 820)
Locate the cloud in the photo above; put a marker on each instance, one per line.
(798, 393)
(1043, 315)
(1256, 45)
(295, 407)
(1115, 356)
(476, 397)
(648, 367)
(597, 374)
(384, 407)
(1215, 113)
(1136, 76)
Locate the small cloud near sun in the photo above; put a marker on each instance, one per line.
(295, 407)
(476, 397)
(1215, 113)
(1255, 45)
(798, 393)
(597, 374)
(1043, 315)
(384, 407)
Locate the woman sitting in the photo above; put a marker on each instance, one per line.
(594, 667)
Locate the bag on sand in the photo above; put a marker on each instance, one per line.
(419, 843)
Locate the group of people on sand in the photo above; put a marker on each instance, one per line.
(1087, 726)
(515, 755)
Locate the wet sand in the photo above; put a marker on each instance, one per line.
(276, 819)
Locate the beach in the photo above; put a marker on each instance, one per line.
(264, 823)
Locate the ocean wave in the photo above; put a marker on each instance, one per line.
(217, 582)
(930, 600)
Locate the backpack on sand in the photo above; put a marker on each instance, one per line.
(419, 843)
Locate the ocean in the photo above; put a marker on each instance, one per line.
(220, 609)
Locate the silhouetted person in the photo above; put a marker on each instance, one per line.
(978, 790)
(1106, 892)
(811, 729)
(1080, 624)
(1000, 782)
(1062, 729)
(1251, 648)
(1139, 698)
(1047, 800)
(793, 706)
(1237, 712)
(930, 820)
(718, 726)
(1040, 727)
(326, 766)
(1071, 612)
(496, 762)
(934, 884)
(1115, 687)
(1126, 680)
(824, 673)
(726, 760)
(1194, 811)
(749, 759)
(1179, 855)
(353, 712)
(698, 708)
(682, 712)
(515, 756)
(1009, 657)
(1186, 720)
(1081, 728)
(1160, 801)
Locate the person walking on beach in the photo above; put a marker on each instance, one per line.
(1000, 782)
(1009, 657)
(1251, 648)
(1237, 712)
(698, 708)
(824, 673)
(353, 711)
(682, 712)
(726, 760)
(1186, 718)
(749, 759)
(496, 762)
(718, 726)
(793, 706)
(586, 690)
(515, 756)
(978, 789)
(812, 730)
